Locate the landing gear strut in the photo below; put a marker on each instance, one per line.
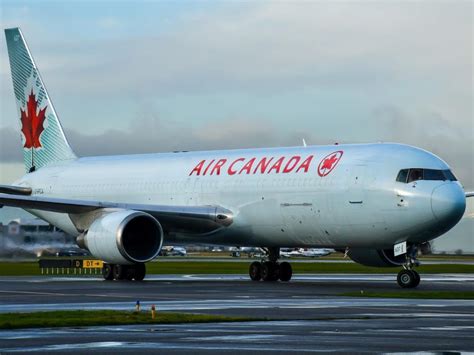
(135, 272)
(408, 277)
(271, 269)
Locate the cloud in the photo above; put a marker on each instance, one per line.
(373, 71)
(151, 134)
(433, 132)
(272, 46)
(108, 23)
(10, 145)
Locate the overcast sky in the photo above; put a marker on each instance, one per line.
(131, 77)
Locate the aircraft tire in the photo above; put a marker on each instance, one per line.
(270, 271)
(255, 271)
(119, 272)
(417, 278)
(406, 279)
(129, 272)
(139, 272)
(285, 271)
(107, 272)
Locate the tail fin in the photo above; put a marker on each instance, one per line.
(43, 138)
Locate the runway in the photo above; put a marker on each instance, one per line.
(308, 314)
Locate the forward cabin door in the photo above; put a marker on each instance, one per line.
(357, 180)
(345, 216)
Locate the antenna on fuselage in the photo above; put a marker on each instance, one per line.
(304, 143)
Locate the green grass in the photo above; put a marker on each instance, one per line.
(19, 268)
(209, 267)
(447, 295)
(103, 317)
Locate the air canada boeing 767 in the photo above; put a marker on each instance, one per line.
(380, 203)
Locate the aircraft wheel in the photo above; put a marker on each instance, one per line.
(119, 272)
(285, 271)
(255, 271)
(139, 272)
(417, 278)
(129, 272)
(406, 279)
(270, 271)
(107, 272)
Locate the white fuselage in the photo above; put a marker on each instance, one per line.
(279, 196)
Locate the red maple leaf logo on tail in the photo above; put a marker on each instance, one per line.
(32, 122)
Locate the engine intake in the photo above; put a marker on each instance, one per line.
(124, 237)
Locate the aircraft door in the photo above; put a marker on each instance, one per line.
(357, 180)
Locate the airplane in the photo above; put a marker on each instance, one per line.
(290, 253)
(317, 252)
(305, 252)
(250, 251)
(173, 251)
(380, 202)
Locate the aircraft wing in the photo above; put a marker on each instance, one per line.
(470, 194)
(173, 218)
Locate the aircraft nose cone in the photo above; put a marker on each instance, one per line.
(448, 203)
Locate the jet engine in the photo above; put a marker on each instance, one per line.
(376, 257)
(123, 237)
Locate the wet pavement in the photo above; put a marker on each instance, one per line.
(307, 314)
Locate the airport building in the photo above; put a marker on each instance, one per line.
(32, 237)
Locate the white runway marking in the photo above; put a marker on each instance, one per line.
(213, 277)
(273, 303)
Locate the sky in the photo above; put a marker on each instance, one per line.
(154, 76)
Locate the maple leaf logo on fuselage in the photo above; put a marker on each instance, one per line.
(32, 122)
(329, 162)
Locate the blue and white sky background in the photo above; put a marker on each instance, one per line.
(153, 76)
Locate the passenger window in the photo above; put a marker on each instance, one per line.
(402, 175)
(415, 175)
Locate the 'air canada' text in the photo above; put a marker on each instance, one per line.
(265, 165)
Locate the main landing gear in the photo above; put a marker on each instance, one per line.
(408, 277)
(271, 269)
(135, 272)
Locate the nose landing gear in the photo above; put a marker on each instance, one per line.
(408, 277)
(271, 269)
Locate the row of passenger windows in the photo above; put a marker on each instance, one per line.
(409, 175)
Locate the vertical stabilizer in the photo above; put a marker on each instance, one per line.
(42, 136)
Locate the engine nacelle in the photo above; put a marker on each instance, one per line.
(124, 237)
(374, 257)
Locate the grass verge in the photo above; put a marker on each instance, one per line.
(103, 317)
(217, 267)
(447, 295)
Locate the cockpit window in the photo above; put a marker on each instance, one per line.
(430, 174)
(415, 174)
(402, 175)
(449, 175)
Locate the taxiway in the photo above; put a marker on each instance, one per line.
(307, 314)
